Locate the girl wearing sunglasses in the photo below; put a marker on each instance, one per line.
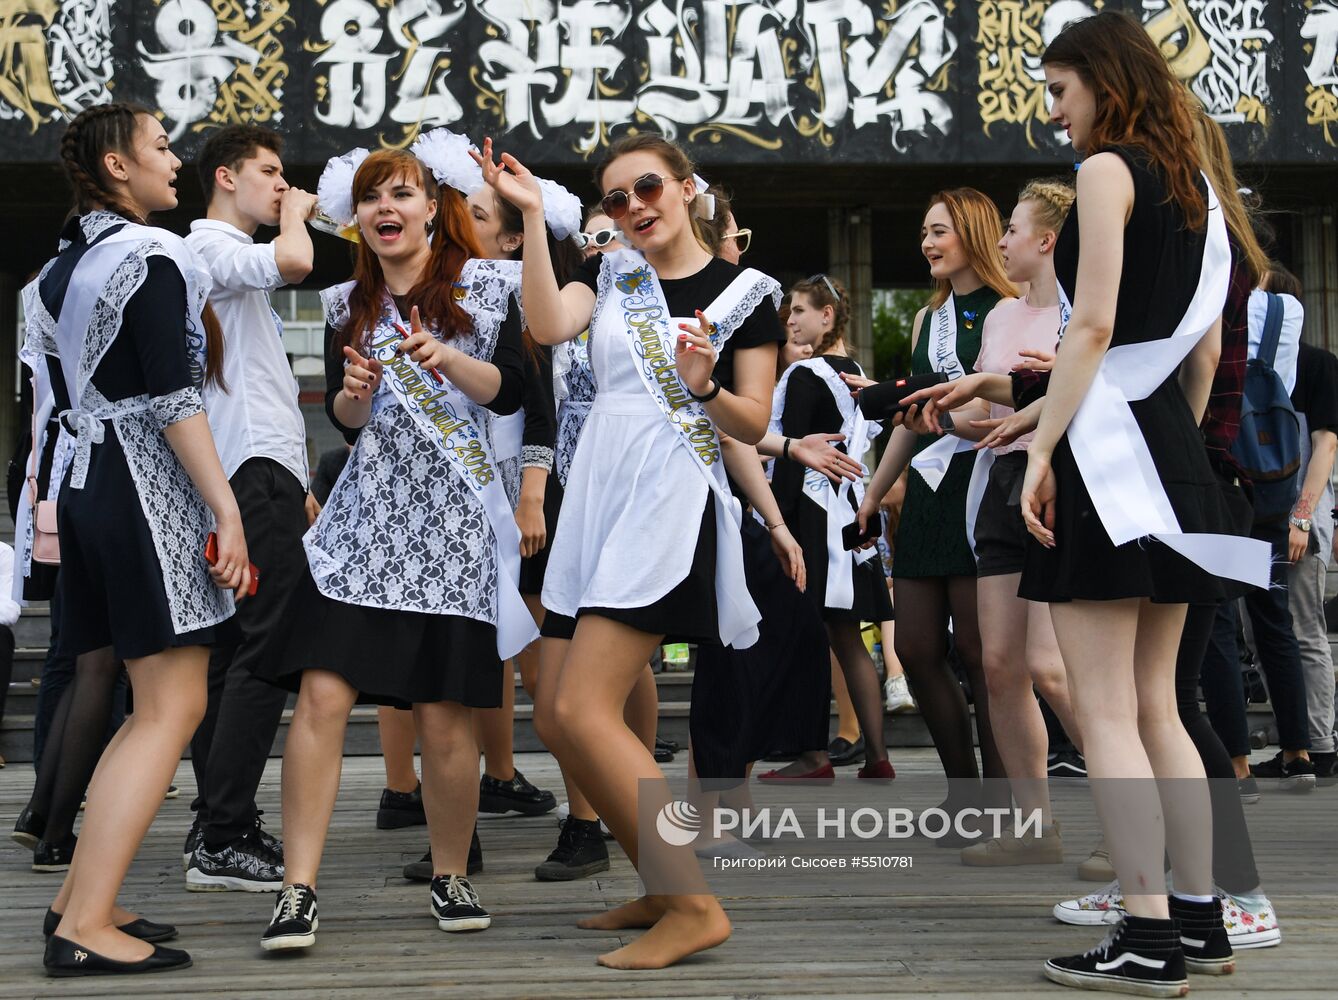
(683, 349)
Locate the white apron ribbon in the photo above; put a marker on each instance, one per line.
(639, 312)
(90, 277)
(859, 434)
(1113, 456)
(442, 414)
(932, 463)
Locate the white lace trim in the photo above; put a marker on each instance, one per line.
(399, 530)
(536, 456)
(769, 287)
(571, 419)
(176, 406)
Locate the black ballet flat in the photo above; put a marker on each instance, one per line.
(28, 829)
(65, 959)
(145, 930)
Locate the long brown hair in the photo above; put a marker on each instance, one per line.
(822, 290)
(452, 243)
(88, 138)
(976, 220)
(1139, 102)
(680, 168)
(1217, 164)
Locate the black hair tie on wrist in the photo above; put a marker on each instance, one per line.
(710, 393)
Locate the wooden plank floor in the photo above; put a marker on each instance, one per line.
(376, 939)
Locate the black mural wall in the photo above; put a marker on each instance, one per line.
(796, 81)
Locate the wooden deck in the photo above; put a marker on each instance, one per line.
(376, 939)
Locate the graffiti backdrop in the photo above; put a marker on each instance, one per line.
(810, 81)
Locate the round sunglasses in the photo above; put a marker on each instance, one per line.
(599, 239)
(647, 187)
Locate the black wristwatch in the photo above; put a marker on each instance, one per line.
(710, 393)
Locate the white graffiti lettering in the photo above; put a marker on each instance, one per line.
(55, 58)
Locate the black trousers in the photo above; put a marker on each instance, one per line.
(235, 737)
(1233, 853)
(6, 665)
(1279, 660)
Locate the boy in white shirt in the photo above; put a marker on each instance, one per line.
(261, 439)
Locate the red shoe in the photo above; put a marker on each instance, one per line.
(882, 771)
(824, 775)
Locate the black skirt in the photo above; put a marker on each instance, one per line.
(111, 581)
(772, 696)
(396, 658)
(871, 601)
(686, 614)
(532, 569)
(1085, 565)
(1001, 534)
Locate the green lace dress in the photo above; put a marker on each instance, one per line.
(931, 538)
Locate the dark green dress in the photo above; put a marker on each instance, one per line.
(931, 538)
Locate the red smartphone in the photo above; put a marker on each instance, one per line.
(211, 557)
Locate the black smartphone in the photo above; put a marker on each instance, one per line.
(852, 538)
(884, 400)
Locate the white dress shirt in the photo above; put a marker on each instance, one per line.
(258, 415)
(1289, 340)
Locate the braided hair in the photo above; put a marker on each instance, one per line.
(94, 132)
(823, 290)
(111, 127)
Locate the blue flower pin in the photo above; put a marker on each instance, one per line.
(970, 318)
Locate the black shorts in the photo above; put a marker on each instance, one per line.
(1001, 534)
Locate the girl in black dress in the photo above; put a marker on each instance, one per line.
(119, 318)
(814, 400)
(412, 597)
(1143, 256)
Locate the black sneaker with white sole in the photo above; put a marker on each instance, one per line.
(294, 922)
(1139, 956)
(456, 905)
(580, 852)
(49, 857)
(1203, 936)
(245, 865)
(1291, 775)
(1066, 763)
(514, 796)
(271, 845)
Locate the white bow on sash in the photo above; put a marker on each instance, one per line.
(859, 434)
(442, 414)
(1113, 456)
(638, 311)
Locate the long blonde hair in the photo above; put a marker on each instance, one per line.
(976, 220)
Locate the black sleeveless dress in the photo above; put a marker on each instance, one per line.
(1162, 262)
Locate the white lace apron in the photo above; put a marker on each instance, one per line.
(571, 363)
(419, 521)
(106, 278)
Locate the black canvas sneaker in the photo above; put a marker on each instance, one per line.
(1292, 776)
(400, 809)
(1066, 763)
(514, 796)
(48, 857)
(1326, 768)
(294, 922)
(1203, 936)
(245, 865)
(421, 870)
(580, 853)
(1249, 790)
(1139, 956)
(456, 906)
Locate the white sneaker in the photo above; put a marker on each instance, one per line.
(1250, 923)
(897, 695)
(564, 810)
(1105, 906)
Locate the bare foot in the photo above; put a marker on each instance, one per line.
(106, 941)
(643, 912)
(805, 764)
(674, 937)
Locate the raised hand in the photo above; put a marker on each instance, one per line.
(361, 376)
(422, 347)
(510, 179)
(694, 356)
